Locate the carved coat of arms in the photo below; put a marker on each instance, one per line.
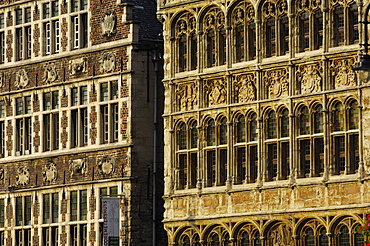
(107, 62)
(50, 172)
(109, 23)
(22, 79)
(23, 176)
(50, 73)
(106, 164)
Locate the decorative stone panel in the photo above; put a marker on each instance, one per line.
(342, 72)
(215, 92)
(187, 96)
(309, 78)
(244, 88)
(276, 81)
(23, 176)
(21, 79)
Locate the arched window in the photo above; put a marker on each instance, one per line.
(215, 37)
(277, 144)
(216, 152)
(187, 155)
(189, 238)
(186, 43)
(344, 23)
(243, 240)
(185, 241)
(344, 236)
(309, 239)
(276, 27)
(345, 138)
(246, 150)
(323, 238)
(244, 32)
(310, 19)
(311, 142)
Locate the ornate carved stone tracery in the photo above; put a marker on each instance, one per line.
(309, 78)
(244, 88)
(186, 96)
(215, 91)
(342, 72)
(277, 83)
(274, 8)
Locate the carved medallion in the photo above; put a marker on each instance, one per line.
(22, 79)
(342, 72)
(109, 23)
(186, 95)
(77, 166)
(50, 172)
(107, 62)
(23, 176)
(106, 164)
(215, 91)
(244, 88)
(50, 73)
(78, 66)
(276, 82)
(309, 78)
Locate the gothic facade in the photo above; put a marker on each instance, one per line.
(77, 84)
(266, 124)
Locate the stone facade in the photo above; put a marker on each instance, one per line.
(266, 137)
(77, 123)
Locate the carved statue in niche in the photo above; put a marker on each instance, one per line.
(109, 23)
(50, 172)
(77, 166)
(343, 73)
(215, 92)
(186, 95)
(23, 176)
(281, 235)
(106, 164)
(309, 78)
(244, 88)
(2, 79)
(78, 66)
(276, 82)
(22, 78)
(107, 62)
(50, 73)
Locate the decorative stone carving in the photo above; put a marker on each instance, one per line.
(277, 82)
(23, 176)
(2, 174)
(22, 78)
(78, 66)
(186, 95)
(309, 78)
(107, 62)
(106, 164)
(215, 91)
(281, 235)
(77, 166)
(2, 79)
(244, 88)
(50, 73)
(342, 72)
(109, 23)
(50, 172)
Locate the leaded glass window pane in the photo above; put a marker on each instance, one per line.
(309, 237)
(240, 128)
(304, 122)
(285, 124)
(323, 238)
(223, 131)
(271, 125)
(182, 137)
(339, 117)
(211, 133)
(318, 119)
(354, 116)
(194, 135)
(344, 236)
(253, 128)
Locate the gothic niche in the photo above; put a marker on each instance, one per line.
(342, 73)
(77, 167)
(186, 96)
(106, 164)
(309, 78)
(215, 92)
(280, 235)
(50, 73)
(21, 79)
(244, 88)
(109, 23)
(107, 62)
(78, 66)
(50, 173)
(276, 82)
(2, 79)
(23, 176)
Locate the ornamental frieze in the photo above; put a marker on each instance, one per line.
(309, 78)
(276, 82)
(186, 96)
(244, 88)
(215, 92)
(342, 72)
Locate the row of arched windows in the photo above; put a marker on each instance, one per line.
(311, 232)
(246, 28)
(204, 153)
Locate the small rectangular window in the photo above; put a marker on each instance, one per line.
(46, 10)
(23, 210)
(51, 100)
(19, 106)
(55, 8)
(2, 21)
(18, 16)
(2, 47)
(27, 15)
(2, 213)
